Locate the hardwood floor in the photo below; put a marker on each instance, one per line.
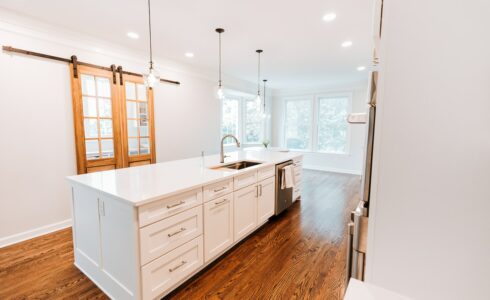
(298, 255)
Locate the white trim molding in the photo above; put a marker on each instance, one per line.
(30, 234)
(334, 170)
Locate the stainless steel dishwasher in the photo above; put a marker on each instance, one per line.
(284, 197)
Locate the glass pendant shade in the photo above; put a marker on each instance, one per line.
(220, 93)
(151, 78)
(258, 101)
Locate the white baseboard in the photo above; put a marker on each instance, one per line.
(26, 235)
(327, 169)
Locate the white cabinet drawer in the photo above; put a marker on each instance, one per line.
(217, 189)
(164, 272)
(244, 180)
(160, 209)
(218, 226)
(165, 235)
(266, 172)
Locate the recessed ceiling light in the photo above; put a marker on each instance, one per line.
(133, 35)
(329, 17)
(361, 68)
(189, 54)
(347, 44)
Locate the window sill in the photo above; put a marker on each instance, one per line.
(319, 152)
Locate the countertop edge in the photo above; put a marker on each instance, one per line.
(143, 201)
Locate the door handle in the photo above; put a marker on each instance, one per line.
(220, 189)
(176, 204)
(178, 266)
(220, 202)
(260, 190)
(177, 232)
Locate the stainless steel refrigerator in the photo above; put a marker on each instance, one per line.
(358, 225)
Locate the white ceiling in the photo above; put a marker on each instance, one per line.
(300, 49)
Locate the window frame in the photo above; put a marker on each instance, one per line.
(242, 98)
(312, 121)
(347, 95)
(313, 134)
(221, 121)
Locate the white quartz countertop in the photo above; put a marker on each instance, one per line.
(143, 184)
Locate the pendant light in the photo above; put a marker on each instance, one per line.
(152, 77)
(219, 92)
(258, 100)
(264, 114)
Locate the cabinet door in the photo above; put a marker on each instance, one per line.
(118, 231)
(245, 211)
(266, 200)
(218, 226)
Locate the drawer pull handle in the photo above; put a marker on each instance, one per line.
(220, 189)
(177, 232)
(176, 267)
(176, 204)
(220, 202)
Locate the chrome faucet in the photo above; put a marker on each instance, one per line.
(222, 154)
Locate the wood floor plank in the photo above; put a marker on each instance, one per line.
(300, 254)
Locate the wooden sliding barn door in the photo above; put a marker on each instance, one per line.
(95, 94)
(139, 127)
(114, 120)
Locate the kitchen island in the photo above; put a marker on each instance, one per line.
(141, 232)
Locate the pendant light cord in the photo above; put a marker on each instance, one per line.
(258, 78)
(149, 27)
(219, 55)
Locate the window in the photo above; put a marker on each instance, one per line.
(97, 117)
(241, 116)
(113, 121)
(298, 123)
(252, 122)
(230, 118)
(332, 125)
(317, 124)
(137, 119)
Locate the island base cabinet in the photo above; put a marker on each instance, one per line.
(218, 226)
(159, 276)
(244, 211)
(266, 200)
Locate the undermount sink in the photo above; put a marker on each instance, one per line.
(239, 165)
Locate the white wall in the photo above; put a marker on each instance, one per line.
(36, 122)
(344, 163)
(429, 229)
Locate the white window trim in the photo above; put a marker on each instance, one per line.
(314, 100)
(242, 97)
